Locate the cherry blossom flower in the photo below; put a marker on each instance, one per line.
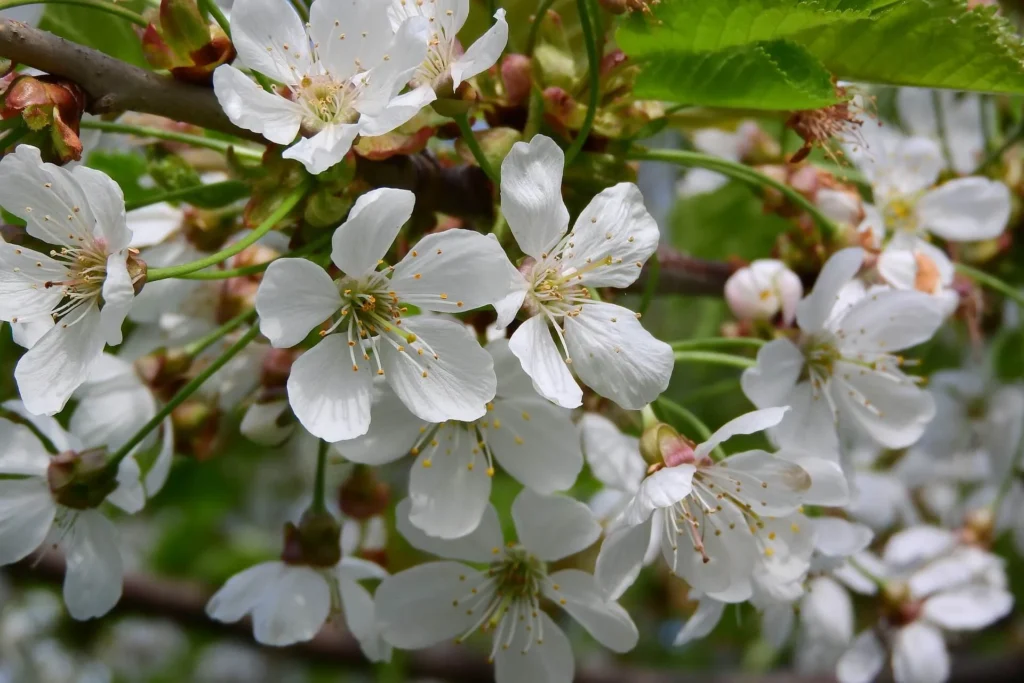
(844, 366)
(342, 73)
(81, 291)
(445, 60)
(450, 482)
(946, 116)
(729, 145)
(762, 290)
(437, 601)
(434, 366)
(614, 459)
(57, 497)
(612, 238)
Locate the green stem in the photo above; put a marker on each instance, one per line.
(878, 581)
(320, 482)
(177, 195)
(500, 226)
(200, 345)
(156, 274)
(693, 421)
(940, 124)
(739, 172)
(301, 9)
(14, 417)
(474, 147)
(218, 15)
(542, 10)
(594, 70)
(1012, 138)
(991, 282)
(714, 358)
(101, 5)
(687, 344)
(182, 396)
(653, 275)
(243, 271)
(243, 151)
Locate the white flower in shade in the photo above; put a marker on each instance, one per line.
(934, 585)
(716, 518)
(612, 238)
(342, 72)
(450, 483)
(290, 603)
(438, 601)
(730, 145)
(615, 461)
(41, 497)
(844, 366)
(81, 291)
(434, 366)
(445, 60)
(944, 116)
(762, 290)
(113, 404)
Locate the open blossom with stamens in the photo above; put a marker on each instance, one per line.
(762, 290)
(445, 60)
(434, 366)
(716, 517)
(57, 497)
(844, 368)
(342, 74)
(81, 290)
(614, 235)
(450, 482)
(437, 601)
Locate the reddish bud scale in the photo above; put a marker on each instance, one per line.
(362, 495)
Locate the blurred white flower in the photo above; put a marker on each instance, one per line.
(763, 290)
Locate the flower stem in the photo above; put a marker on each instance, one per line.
(542, 10)
(594, 70)
(474, 147)
(693, 421)
(218, 15)
(200, 345)
(687, 344)
(14, 417)
(256, 268)
(739, 172)
(320, 483)
(991, 282)
(878, 581)
(101, 5)
(242, 151)
(180, 194)
(262, 229)
(182, 396)
(714, 358)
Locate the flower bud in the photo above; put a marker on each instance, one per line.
(316, 541)
(362, 495)
(277, 365)
(762, 290)
(661, 445)
(137, 270)
(81, 480)
(516, 77)
(494, 142)
(185, 43)
(51, 108)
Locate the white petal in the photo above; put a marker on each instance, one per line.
(917, 544)
(398, 112)
(26, 515)
(809, 424)
(151, 225)
(892, 412)
(478, 545)
(863, 661)
(509, 306)
(365, 26)
(449, 486)
(829, 486)
(826, 610)
(452, 272)
(777, 624)
(156, 477)
(814, 310)
(579, 595)
(664, 488)
(548, 662)
(772, 485)
(23, 295)
(380, 85)
(271, 39)
(249, 106)
(952, 571)
(553, 527)
(260, 423)
(889, 321)
(23, 453)
(393, 431)
(614, 458)
(48, 427)
(294, 297)
(968, 609)
(414, 607)
(702, 622)
(482, 54)
(361, 619)
(27, 334)
(771, 381)
(621, 558)
(837, 537)
(731, 554)
(616, 230)
(616, 357)
(327, 397)
(118, 293)
(358, 569)
(372, 225)
(750, 423)
(531, 195)
(92, 582)
(242, 592)
(913, 165)
(325, 149)
(129, 494)
(110, 412)
(534, 347)
(919, 655)
(59, 362)
(454, 386)
(293, 608)
(106, 203)
(966, 209)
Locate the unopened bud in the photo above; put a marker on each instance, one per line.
(51, 109)
(316, 541)
(979, 527)
(137, 270)
(362, 495)
(516, 77)
(762, 290)
(661, 445)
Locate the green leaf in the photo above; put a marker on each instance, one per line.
(126, 170)
(99, 30)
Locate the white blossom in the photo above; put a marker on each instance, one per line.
(81, 291)
(607, 346)
(946, 117)
(434, 366)
(342, 71)
(438, 601)
(724, 144)
(763, 290)
(450, 482)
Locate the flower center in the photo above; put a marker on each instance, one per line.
(325, 101)
(443, 440)
(821, 354)
(899, 213)
(86, 269)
